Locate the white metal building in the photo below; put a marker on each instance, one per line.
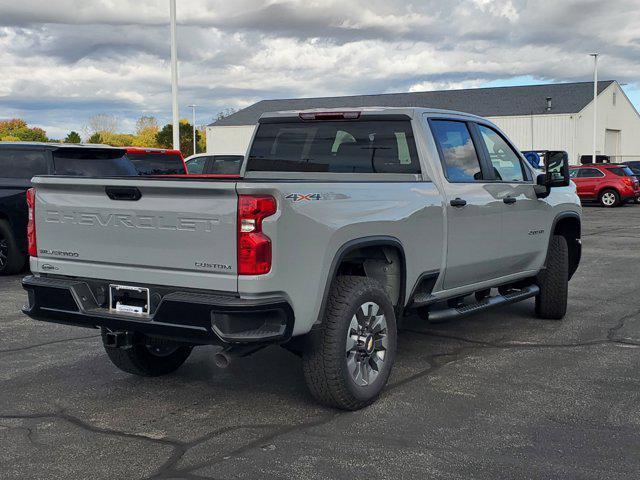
(537, 117)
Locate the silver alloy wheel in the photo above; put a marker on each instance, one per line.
(608, 198)
(367, 343)
(4, 252)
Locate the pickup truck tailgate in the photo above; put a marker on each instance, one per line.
(178, 232)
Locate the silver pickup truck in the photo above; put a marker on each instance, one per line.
(339, 224)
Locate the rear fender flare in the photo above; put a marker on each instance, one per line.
(343, 251)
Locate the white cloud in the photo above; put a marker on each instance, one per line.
(64, 60)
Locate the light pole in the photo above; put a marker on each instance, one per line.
(193, 110)
(174, 77)
(595, 103)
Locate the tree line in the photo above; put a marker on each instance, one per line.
(104, 129)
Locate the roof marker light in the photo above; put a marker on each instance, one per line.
(329, 115)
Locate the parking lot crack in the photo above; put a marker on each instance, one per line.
(269, 437)
(612, 334)
(62, 415)
(43, 344)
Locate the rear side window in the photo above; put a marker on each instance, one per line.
(589, 173)
(157, 163)
(458, 151)
(90, 162)
(224, 164)
(23, 164)
(621, 171)
(364, 146)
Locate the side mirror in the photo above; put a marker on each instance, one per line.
(556, 166)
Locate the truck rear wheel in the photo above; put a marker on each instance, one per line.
(551, 302)
(352, 353)
(148, 359)
(12, 260)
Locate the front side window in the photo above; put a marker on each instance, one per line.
(362, 146)
(23, 164)
(505, 162)
(458, 151)
(196, 165)
(573, 173)
(635, 169)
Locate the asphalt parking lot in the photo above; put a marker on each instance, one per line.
(501, 395)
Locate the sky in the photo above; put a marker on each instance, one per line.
(63, 61)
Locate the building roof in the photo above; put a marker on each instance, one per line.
(485, 102)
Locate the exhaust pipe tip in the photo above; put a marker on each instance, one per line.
(222, 359)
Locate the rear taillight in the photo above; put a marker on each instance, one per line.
(254, 247)
(630, 181)
(31, 224)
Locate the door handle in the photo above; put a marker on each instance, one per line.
(458, 202)
(509, 200)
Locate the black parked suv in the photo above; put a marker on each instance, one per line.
(21, 161)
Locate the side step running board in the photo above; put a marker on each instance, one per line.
(486, 304)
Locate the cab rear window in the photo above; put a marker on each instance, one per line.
(90, 162)
(157, 163)
(363, 146)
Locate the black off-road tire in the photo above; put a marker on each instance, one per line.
(139, 359)
(611, 192)
(325, 359)
(15, 259)
(551, 302)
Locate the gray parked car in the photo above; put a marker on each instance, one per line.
(341, 223)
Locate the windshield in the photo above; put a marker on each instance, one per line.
(157, 163)
(363, 146)
(92, 162)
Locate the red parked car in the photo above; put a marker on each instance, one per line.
(156, 161)
(609, 184)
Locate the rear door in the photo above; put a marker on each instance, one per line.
(474, 212)
(174, 232)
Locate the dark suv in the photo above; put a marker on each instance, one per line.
(19, 162)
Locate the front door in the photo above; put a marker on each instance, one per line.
(474, 214)
(525, 217)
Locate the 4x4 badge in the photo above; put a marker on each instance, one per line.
(300, 197)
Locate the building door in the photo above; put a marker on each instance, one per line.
(612, 144)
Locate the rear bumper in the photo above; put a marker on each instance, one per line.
(184, 316)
